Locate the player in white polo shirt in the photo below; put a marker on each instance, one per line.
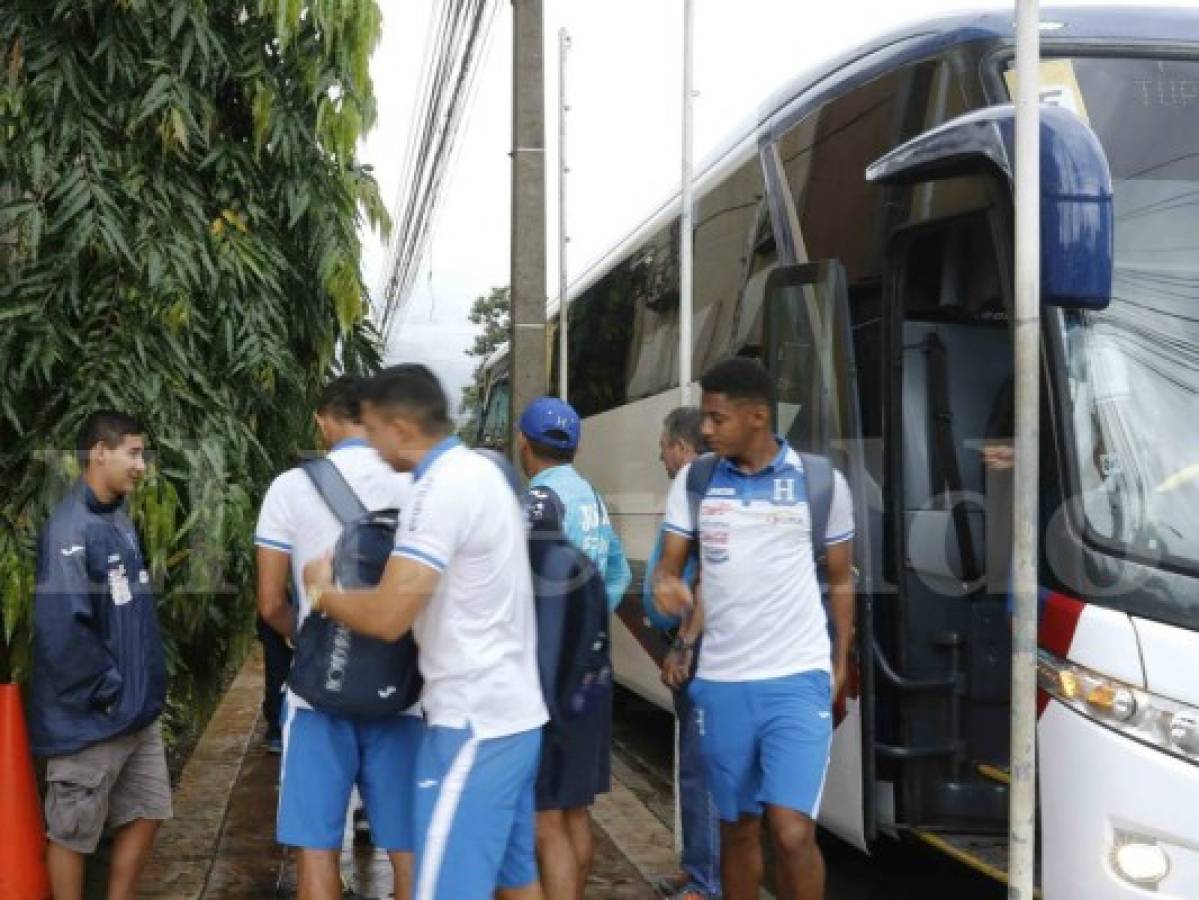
(460, 579)
(326, 755)
(763, 689)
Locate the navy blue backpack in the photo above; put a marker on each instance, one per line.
(574, 631)
(335, 669)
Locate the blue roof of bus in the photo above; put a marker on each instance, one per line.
(920, 40)
(1161, 25)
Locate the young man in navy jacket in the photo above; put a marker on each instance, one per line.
(99, 677)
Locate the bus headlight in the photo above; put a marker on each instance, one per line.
(1158, 721)
(1141, 862)
(1184, 732)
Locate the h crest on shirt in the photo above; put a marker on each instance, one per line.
(784, 490)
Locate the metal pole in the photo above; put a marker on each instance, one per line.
(528, 374)
(685, 226)
(563, 238)
(1023, 799)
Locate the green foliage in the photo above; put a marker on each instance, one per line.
(492, 313)
(179, 214)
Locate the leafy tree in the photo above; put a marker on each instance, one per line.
(491, 312)
(179, 214)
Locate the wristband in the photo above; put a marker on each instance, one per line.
(680, 644)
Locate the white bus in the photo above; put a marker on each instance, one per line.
(859, 240)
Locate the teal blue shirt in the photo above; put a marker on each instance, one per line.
(587, 526)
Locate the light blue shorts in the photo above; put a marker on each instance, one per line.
(765, 742)
(324, 756)
(475, 825)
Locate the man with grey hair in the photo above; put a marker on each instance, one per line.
(699, 878)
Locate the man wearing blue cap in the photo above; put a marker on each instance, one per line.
(576, 764)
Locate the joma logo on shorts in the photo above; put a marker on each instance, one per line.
(338, 657)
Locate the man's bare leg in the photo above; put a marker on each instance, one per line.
(556, 856)
(741, 858)
(130, 848)
(66, 871)
(800, 865)
(578, 827)
(401, 870)
(320, 875)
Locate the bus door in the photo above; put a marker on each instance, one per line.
(809, 354)
(945, 658)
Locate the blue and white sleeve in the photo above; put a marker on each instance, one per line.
(431, 524)
(274, 528)
(679, 518)
(840, 515)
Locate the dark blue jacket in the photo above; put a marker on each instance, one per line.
(99, 669)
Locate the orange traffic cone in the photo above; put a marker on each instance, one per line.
(22, 852)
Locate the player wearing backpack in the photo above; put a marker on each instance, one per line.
(325, 754)
(576, 749)
(767, 675)
(459, 579)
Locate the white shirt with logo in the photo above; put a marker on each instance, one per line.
(297, 521)
(763, 612)
(478, 633)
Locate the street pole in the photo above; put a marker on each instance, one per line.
(1023, 798)
(563, 238)
(527, 341)
(685, 225)
(685, 304)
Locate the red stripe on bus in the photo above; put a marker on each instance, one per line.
(1059, 621)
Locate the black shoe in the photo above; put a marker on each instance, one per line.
(362, 827)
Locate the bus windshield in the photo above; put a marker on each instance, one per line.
(1132, 370)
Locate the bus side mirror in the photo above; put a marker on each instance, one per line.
(1076, 190)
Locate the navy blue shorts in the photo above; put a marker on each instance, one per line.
(576, 762)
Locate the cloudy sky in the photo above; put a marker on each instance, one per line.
(623, 141)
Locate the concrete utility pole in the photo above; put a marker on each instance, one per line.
(563, 236)
(1023, 798)
(685, 224)
(527, 342)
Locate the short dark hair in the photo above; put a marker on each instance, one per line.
(739, 378)
(341, 398)
(413, 391)
(107, 426)
(551, 454)
(685, 423)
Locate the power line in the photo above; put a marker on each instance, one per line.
(458, 31)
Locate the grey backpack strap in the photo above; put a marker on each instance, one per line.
(699, 476)
(334, 490)
(818, 474)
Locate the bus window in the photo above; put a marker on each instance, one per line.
(731, 220)
(493, 432)
(761, 260)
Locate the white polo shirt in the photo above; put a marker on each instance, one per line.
(478, 633)
(763, 613)
(296, 520)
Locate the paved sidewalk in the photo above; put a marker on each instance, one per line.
(220, 845)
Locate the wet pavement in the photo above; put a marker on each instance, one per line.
(221, 846)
